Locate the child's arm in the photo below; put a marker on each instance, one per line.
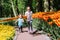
(22, 20)
(25, 14)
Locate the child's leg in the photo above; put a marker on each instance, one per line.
(28, 25)
(18, 27)
(31, 27)
(21, 29)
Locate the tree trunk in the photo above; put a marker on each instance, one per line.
(51, 6)
(13, 8)
(46, 6)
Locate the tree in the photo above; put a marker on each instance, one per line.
(46, 6)
(55, 4)
(0, 9)
(13, 8)
(40, 5)
(51, 6)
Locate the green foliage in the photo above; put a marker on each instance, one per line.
(12, 23)
(34, 4)
(9, 23)
(5, 8)
(36, 24)
(25, 23)
(21, 5)
(40, 24)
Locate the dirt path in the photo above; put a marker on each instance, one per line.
(26, 36)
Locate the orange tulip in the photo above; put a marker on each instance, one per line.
(50, 23)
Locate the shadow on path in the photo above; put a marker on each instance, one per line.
(27, 36)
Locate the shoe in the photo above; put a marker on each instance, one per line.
(21, 31)
(28, 31)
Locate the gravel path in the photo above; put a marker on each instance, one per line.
(26, 36)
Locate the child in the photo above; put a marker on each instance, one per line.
(28, 13)
(20, 22)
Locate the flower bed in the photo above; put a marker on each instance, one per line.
(46, 21)
(49, 22)
(6, 32)
(54, 16)
(52, 30)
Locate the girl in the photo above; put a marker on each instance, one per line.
(28, 13)
(20, 22)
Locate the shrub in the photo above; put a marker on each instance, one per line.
(53, 29)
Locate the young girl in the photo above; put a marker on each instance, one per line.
(20, 22)
(28, 13)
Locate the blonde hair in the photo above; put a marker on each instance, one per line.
(28, 7)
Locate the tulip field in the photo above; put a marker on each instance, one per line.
(49, 22)
(45, 17)
(54, 16)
